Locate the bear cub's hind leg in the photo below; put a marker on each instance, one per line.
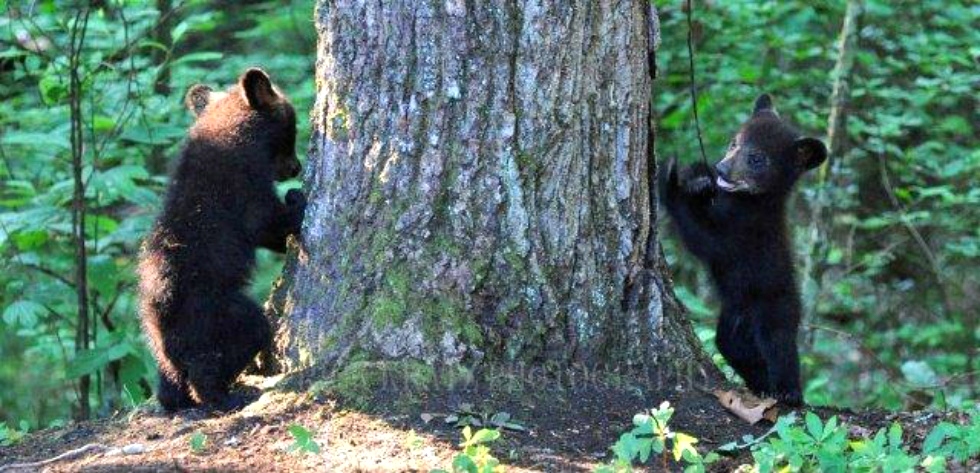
(735, 339)
(173, 395)
(244, 332)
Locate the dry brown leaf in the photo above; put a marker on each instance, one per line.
(748, 408)
(771, 414)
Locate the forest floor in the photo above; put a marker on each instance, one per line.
(563, 429)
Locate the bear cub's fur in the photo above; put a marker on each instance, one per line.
(194, 265)
(733, 218)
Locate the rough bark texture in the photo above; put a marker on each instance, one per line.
(479, 186)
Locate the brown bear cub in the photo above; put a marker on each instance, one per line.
(733, 218)
(221, 205)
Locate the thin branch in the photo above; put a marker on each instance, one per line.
(934, 265)
(70, 454)
(51, 273)
(894, 373)
(124, 51)
(82, 337)
(104, 314)
(61, 343)
(693, 84)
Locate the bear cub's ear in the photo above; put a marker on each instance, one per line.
(810, 152)
(257, 89)
(763, 104)
(197, 98)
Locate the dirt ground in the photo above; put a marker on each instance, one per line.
(566, 428)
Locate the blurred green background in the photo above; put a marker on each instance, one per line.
(890, 280)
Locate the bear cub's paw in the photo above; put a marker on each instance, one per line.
(295, 200)
(791, 399)
(698, 180)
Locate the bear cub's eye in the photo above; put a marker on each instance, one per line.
(756, 160)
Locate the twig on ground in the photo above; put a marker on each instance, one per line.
(70, 454)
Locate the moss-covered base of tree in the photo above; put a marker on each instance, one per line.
(406, 386)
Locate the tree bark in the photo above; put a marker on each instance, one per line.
(480, 184)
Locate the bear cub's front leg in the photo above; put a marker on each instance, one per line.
(287, 219)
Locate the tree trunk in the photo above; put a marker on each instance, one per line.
(480, 186)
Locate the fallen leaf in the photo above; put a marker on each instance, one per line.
(771, 414)
(748, 408)
(426, 417)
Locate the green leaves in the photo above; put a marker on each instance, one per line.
(36, 139)
(202, 56)
(651, 435)
(23, 313)
(919, 373)
(819, 446)
(813, 425)
(303, 441)
(958, 441)
(89, 361)
(198, 442)
(12, 436)
(199, 22)
(53, 89)
(480, 437)
(476, 457)
(123, 183)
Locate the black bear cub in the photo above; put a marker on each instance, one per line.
(194, 265)
(733, 218)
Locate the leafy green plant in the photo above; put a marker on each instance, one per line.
(466, 415)
(476, 456)
(824, 446)
(11, 436)
(651, 435)
(413, 441)
(885, 451)
(303, 441)
(198, 442)
(958, 441)
(818, 445)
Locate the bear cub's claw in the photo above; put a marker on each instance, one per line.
(698, 179)
(789, 399)
(699, 185)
